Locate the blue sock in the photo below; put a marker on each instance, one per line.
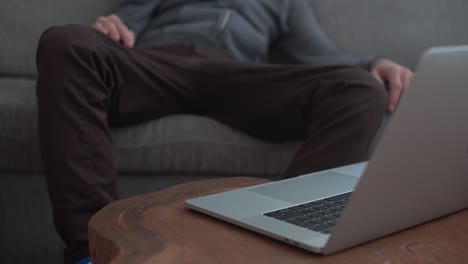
(84, 261)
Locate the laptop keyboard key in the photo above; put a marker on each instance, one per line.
(314, 215)
(329, 217)
(326, 212)
(294, 221)
(293, 215)
(336, 209)
(303, 218)
(320, 207)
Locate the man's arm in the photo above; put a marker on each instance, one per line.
(304, 42)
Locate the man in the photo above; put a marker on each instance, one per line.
(155, 58)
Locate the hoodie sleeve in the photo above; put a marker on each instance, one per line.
(136, 13)
(303, 42)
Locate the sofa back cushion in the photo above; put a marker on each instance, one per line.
(398, 29)
(23, 21)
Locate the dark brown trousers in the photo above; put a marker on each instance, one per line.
(88, 83)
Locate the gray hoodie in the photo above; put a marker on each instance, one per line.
(246, 29)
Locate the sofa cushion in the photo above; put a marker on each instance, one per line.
(187, 143)
(176, 144)
(397, 29)
(18, 136)
(22, 22)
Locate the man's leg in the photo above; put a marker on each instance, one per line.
(336, 110)
(86, 82)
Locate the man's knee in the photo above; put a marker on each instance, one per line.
(57, 41)
(372, 94)
(356, 96)
(56, 58)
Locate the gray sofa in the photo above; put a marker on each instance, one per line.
(176, 149)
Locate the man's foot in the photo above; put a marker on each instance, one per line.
(84, 261)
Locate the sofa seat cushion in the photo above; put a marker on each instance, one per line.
(175, 144)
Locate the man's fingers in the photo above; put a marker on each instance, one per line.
(113, 31)
(107, 27)
(405, 80)
(406, 77)
(376, 74)
(397, 76)
(113, 27)
(127, 36)
(99, 27)
(131, 42)
(396, 89)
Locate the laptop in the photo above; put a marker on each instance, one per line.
(418, 172)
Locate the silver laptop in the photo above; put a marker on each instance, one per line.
(418, 172)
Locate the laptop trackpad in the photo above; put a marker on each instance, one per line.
(309, 187)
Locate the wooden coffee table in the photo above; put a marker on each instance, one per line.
(158, 228)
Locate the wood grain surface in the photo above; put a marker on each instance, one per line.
(158, 228)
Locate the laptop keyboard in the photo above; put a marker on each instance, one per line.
(319, 215)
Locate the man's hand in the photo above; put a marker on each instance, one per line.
(397, 76)
(114, 28)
